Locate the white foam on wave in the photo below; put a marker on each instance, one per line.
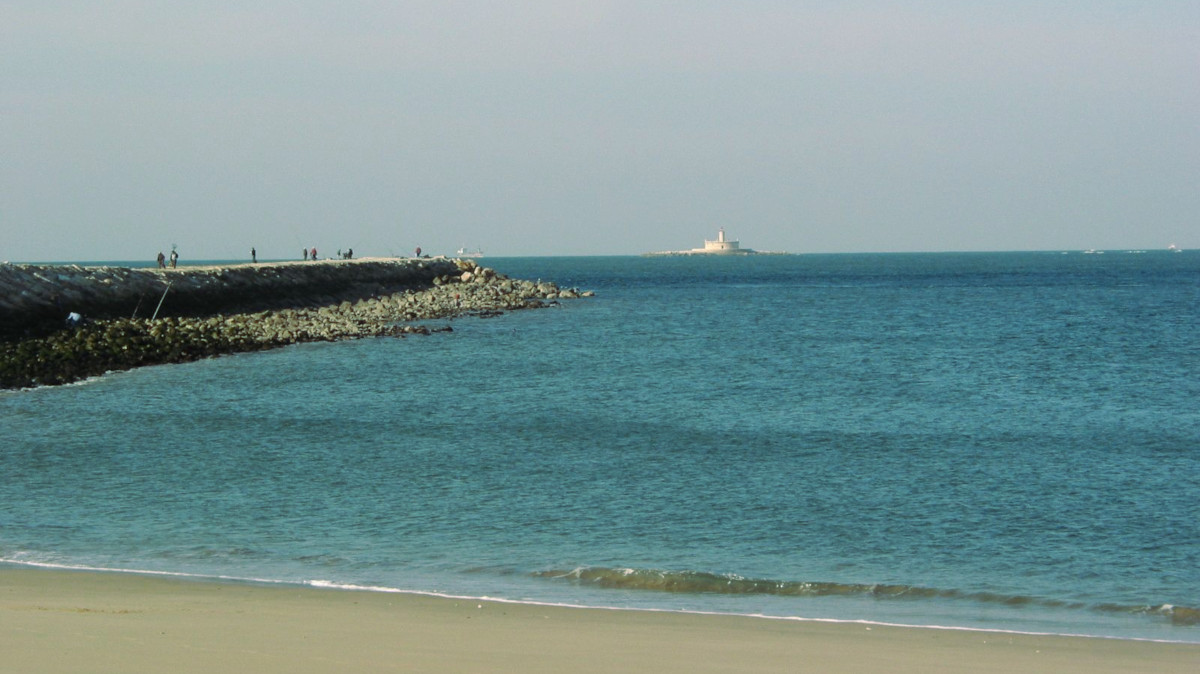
(351, 587)
(140, 572)
(318, 584)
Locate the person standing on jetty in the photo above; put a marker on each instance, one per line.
(305, 251)
(253, 256)
(174, 258)
(162, 260)
(314, 254)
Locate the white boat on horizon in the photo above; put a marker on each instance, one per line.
(464, 252)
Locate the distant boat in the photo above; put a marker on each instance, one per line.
(464, 252)
(1174, 249)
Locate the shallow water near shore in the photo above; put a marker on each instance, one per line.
(1001, 440)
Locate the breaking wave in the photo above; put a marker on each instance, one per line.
(699, 582)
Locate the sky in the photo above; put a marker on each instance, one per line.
(594, 127)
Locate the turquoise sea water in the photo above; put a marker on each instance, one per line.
(992, 440)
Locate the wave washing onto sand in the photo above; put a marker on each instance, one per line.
(55, 566)
(590, 575)
(696, 582)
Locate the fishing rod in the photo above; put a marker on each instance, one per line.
(160, 301)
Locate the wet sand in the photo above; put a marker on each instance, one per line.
(63, 621)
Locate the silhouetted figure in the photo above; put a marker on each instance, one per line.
(162, 260)
(306, 255)
(253, 256)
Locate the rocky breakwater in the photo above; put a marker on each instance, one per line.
(371, 306)
(35, 299)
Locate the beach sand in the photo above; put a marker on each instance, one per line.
(64, 621)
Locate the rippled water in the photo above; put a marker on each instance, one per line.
(980, 440)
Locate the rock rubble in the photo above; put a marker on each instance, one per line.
(99, 346)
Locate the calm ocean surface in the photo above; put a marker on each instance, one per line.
(1000, 440)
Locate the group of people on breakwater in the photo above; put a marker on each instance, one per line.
(162, 259)
(311, 255)
(308, 255)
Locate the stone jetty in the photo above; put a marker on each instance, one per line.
(136, 317)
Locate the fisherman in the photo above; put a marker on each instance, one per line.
(174, 258)
(162, 260)
(253, 256)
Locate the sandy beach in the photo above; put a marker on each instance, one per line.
(63, 621)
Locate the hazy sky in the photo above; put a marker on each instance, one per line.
(590, 127)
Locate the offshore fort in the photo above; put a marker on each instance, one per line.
(718, 246)
(62, 323)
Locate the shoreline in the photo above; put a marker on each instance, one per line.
(332, 586)
(498, 595)
(61, 620)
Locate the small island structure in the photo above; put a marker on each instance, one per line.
(721, 246)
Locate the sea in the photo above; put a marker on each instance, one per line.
(1000, 441)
